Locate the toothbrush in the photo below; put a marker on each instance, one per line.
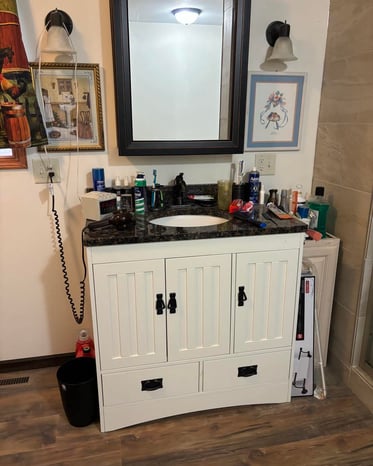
(154, 184)
(241, 171)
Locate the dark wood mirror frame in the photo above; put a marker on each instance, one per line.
(121, 56)
(17, 160)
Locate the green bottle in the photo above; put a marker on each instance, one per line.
(140, 193)
(318, 211)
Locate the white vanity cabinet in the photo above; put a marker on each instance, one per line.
(192, 325)
(134, 299)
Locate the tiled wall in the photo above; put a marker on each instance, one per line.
(344, 160)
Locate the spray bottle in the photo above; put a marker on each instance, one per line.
(254, 185)
(84, 347)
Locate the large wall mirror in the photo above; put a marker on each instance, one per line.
(180, 89)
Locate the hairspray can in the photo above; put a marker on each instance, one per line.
(254, 185)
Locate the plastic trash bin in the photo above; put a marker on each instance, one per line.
(78, 388)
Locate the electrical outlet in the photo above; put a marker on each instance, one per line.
(265, 163)
(42, 168)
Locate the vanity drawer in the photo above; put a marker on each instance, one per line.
(267, 368)
(150, 384)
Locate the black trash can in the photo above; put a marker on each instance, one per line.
(78, 388)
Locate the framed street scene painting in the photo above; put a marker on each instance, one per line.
(69, 97)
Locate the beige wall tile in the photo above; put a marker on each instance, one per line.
(346, 291)
(348, 99)
(344, 155)
(350, 27)
(362, 386)
(342, 332)
(348, 216)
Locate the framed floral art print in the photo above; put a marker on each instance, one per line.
(274, 111)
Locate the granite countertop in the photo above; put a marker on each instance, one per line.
(141, 231)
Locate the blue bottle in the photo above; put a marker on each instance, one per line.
(254, 185)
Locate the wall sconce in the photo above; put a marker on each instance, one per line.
(280, 47)
(186, 16)
(59, 27)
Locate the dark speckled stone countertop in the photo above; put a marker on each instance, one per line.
(144, 232)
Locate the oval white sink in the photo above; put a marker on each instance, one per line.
(188, 221)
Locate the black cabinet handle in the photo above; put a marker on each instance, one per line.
(172, 305)
(159, 304)
(151, 385)
(247, 371)
(241, 295)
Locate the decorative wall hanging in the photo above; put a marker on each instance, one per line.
(21, 123)
(70, 100)
(274, 111)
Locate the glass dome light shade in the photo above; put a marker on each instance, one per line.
(58, 41)
(186, 16)
(283, 50)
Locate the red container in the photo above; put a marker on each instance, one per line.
(84, 347)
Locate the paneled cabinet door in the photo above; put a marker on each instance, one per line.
(265, 299)
(199, 302)
(130, 317)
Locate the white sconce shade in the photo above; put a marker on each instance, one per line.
(59, 26)
(58, 42)
(283, 50)
(281, 47)
(273, 64)
(186, 16)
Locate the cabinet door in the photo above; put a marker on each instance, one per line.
(323, 257)
(199, 326)
(130, 330)
(264, 316)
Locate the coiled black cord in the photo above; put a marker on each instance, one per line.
(78, 317)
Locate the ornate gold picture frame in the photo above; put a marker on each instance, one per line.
(69, 97)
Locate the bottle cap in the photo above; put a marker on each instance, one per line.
(83, 335)
(319, 191)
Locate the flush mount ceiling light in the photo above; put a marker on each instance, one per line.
(59, 26)
(186, 15)
(280, 47)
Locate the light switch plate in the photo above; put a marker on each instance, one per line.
(265, 163)
(42, 168)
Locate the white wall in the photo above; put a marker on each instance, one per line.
(35, 319)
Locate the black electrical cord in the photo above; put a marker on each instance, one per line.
(78, 317)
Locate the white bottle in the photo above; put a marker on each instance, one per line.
(261, 194)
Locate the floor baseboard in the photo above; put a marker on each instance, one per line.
(15, 365)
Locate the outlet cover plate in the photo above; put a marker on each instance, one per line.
(42, 168)
(265, 163)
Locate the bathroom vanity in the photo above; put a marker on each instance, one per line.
(189, 319)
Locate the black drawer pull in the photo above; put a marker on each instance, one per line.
(241, 295)
(159, 304)
(172, 304)
(247, 371)
(151, 385)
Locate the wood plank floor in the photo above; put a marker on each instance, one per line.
(306, 432)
